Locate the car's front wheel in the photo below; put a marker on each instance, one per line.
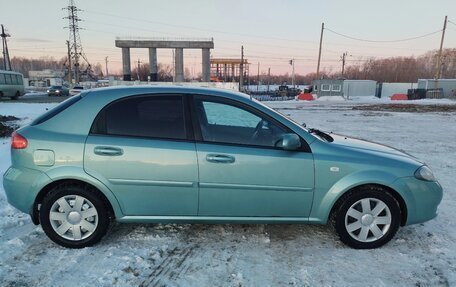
(367, 218)
(74, 216)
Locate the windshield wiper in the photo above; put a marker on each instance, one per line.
(321, 134)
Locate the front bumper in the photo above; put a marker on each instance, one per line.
(421, 198)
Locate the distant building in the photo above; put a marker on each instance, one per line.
(46, 78)
(441, 88)
(387, 90)
(328, 87)
(344, 88)
(228, 70)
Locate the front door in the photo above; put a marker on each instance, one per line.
(241, 171)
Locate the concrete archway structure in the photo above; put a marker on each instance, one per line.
(178, 45)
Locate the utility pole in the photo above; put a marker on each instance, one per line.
(75, 40)
(70, 78)
(174, 66)
(343, 58)
(73, 20)
(6, 58)
(319, 50)
(258, 78)
(292, 63)
(106, 64)
(269, 78)
(439, 59)
(139, 66)
(241, 71)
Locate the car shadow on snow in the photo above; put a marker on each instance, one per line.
(217, 233)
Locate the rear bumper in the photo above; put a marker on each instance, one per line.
(421, 197)
(22, 186)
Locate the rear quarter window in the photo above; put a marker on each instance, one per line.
(55, 111)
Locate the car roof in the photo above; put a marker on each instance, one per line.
(123, 91)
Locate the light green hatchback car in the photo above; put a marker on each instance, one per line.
(160, 154)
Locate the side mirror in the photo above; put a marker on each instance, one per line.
(304, 125)
(290, 142)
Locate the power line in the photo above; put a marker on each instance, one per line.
(195, 28)
(243, 42)
(451, 22)
(384, 41)
(174, 34)
(300, 48)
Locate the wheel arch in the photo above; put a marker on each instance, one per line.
(327, 194)
(107, 197)
(370, 186)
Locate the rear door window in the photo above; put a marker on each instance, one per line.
(143, 116)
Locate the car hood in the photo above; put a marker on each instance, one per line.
(368, 146)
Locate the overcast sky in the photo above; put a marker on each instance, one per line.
(272, 32)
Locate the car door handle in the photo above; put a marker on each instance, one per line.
(108, 151)
(220, 158)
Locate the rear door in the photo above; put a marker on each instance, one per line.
(143, 149)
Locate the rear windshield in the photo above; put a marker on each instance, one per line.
(55, 111)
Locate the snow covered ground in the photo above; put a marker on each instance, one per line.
(254, 255)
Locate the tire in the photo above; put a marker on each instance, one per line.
(367, 218)
(16, 96)
(74, 216)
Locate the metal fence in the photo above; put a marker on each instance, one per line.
(271, 98)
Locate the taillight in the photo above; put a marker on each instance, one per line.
(18, 141)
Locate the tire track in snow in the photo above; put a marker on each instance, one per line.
(171, 268)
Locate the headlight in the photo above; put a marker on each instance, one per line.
(47, 91)
(425, 173)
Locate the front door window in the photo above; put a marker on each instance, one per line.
(226, 123)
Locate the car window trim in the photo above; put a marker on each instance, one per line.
(197, 129)
(142, 137)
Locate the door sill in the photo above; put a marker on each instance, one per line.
(211, 219)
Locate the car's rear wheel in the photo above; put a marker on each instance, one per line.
(367, 218)
(74, 216)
